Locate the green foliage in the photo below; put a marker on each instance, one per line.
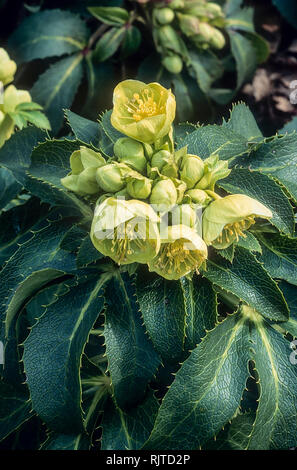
(155, 364)
(75, 47)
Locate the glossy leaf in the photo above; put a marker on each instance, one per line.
(132, 360)
(205, 394)
(248, 280)
(48, 33)
(52, 354)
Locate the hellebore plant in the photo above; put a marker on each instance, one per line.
(148, 282)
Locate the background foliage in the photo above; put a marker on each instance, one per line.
(101, 357)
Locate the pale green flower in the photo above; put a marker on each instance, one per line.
(11, 99)
(180, 254)
(143, 112)
(126, 231)
(226, 219)
(7, 67)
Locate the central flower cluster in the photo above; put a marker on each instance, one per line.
(156, 205)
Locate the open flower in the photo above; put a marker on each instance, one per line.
(7, 67)
(126, 231)
(143, 112)
(226, 219)
(181, 253)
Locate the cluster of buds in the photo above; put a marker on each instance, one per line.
(181, 23)
(156, 205)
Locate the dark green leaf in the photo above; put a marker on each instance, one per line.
(207, 68)
(9, 187)
(279, 256)
(132, 360)
(52, 355)
(85, 130)
(242, 122)
(277, 158)
(109, 44)
(275, 426)
(128, 430)
(163, 310)
(15, 154)
(55, 89)
(110, 15)
(206, 391)
(16, 225)
(201, 309)
(290, 293)
(210, 139)
(248, 280)
(48, 33)
(288, 9)
(87, 253)
(245, 57)
(37, 262)
(15, 408)
(67, 442)
(132, 41)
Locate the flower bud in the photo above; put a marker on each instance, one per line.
(169, 39)
(217, 40)
(184, 215)
(214, 170)
(139, 187)
(164, 194)
(192, 169)
(198, 196)
(85, 158)
(206, 31)
(173, 63)
(143, 112)
(7, 68)
(177, 4)
(86, 182)
(188, 24)
(82, 178)
(163, 15)
(126, 231)
(130, 152)
(159, 159)
(226, 219)
(180, 187)
(180, 254)
(214, 9)
(110, 177)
